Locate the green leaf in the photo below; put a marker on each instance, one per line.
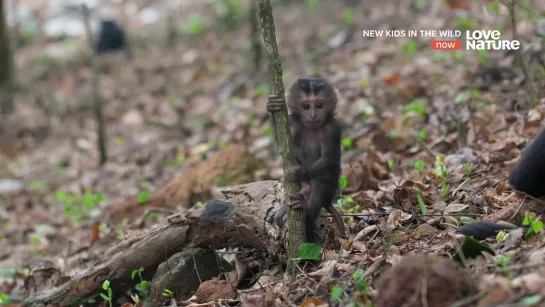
(471, 248)
(422, 134)
(466, 220)
(62, 196)
(336, 292)
(143, 197)
(461, 97)
(195, 25)
(104, 296)
(500, 236)
(343, 182)
(261, 90)
(421, 203)
(310, 251)
(106, 285)
(5, 299)
(532, 300)
(347, 142)
(312, 4)
(411, 47)
(537, 226)
(349, 16)
(420, 165)
(133, 273)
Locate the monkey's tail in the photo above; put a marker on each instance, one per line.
(481, 230)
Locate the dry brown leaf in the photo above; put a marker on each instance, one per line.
(392, 79)
(212, 290)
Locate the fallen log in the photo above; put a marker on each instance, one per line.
(243, 218)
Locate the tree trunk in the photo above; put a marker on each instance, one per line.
(6, 69)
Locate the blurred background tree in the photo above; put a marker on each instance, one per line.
(6, 65)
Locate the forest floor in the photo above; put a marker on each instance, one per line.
(197, 109)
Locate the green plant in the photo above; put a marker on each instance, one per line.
(368, 112)
(411, 47)
(364, 82)
(360, 284)
(422, 134)
(309, 252)
(534, 225)
(347, 142)
(418, 107)
(195, 25)
(494, 6)
(420, 166)
(461, 97)
(168, 293)
(143, 197)
(143, 285)
(336, 293)
(465, 23)
(135, 298)
(468, 166)
(483, 57)
(441, 171)
(349, 16)
(391, 165)
(421, 203)
(345, 201)
(37, 185)
(78, 206)
(5, 299)
(503, 262)
(312, 5)
(108, 296)
(267, 131)
(261, 90)
(229, 12)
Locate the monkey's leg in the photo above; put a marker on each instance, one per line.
(321, 194)
(338, 219)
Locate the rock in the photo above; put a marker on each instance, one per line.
(132, 118)
(185, 271)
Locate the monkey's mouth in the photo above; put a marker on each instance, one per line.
(313, 123)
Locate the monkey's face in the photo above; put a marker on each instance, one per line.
(314, 111)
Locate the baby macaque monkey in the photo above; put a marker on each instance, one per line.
(317, 144)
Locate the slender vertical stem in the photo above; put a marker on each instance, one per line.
(280, 120)
(97, 101)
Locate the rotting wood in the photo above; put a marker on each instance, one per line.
(243, 218)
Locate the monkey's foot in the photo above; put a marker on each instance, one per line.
(298, 204)
(297, 196)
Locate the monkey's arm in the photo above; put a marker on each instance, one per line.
(481, 230)
(528, 175)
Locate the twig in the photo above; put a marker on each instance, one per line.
(97, 105)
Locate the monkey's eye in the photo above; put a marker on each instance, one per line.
(319, 106)
(306, 106)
